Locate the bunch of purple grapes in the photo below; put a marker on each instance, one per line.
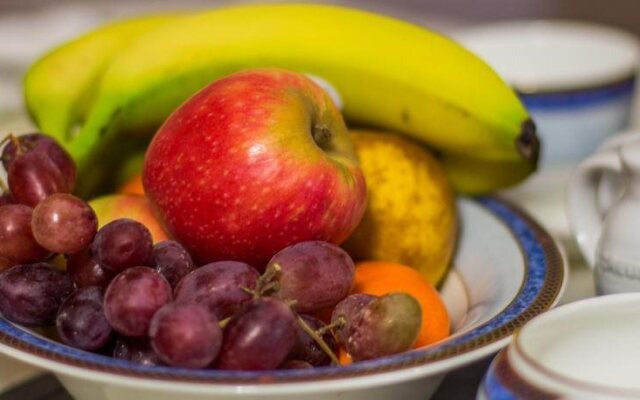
(151, 304)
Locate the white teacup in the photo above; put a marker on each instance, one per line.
(585, 350)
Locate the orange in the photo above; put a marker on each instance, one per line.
(132, 186)
(381, 277)
(344, 357)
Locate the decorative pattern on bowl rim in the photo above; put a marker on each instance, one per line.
(543, 282)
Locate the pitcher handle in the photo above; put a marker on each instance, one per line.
(583, 206)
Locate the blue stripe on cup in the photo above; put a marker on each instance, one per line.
(579, 98)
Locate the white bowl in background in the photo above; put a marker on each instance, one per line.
(576, 79)
(507, 270)
(585, 350)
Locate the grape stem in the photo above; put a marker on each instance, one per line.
(269, 288)
(339, 323)
(253, 293)
(318, 339)
(6, 138)
(268, 282)
(222, 324)
(14, 139)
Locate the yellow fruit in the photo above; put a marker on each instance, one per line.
(411, 216)
(390, 74)
(59, 88)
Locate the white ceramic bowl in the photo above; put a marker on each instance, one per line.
(585, 350)
(506, 271)
(576, 79)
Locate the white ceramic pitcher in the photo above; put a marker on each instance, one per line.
(603, 203)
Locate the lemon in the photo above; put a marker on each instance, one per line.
(411, 216)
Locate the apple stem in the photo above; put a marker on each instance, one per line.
(318, 339)
(321, 134)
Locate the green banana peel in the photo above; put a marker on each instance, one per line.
(59, 88)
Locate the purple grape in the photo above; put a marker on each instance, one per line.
(26, 143)
(313, 275)
(6, 263)
(171, 260)
(305, 347)
(30, 294)
(258, 337)
(37, 142)
(347, 310)
(6, 198)
(85, 270)
(137, 350)
(34, 176)
(16, 239)
(218, 287)
(185, 335)
(295, 364)
(132, 298)
(122, 244)
(388, 325)
(63, 223)
(81, 322)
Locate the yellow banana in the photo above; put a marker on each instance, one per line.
(60, 86)
(472, 176)
(390, 74)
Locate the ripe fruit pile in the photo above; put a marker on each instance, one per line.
(151, 304)
(120, 82)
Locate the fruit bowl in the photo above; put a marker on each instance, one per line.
(506, 270)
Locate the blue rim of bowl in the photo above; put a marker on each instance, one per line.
(542, 286)
(550, 100)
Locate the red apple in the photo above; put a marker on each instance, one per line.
(252, 163)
